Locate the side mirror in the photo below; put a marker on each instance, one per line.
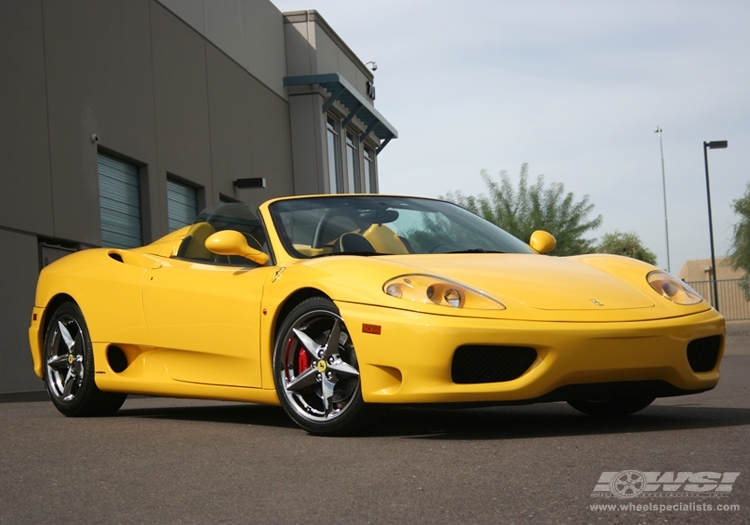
(230, 242)
(542, 242)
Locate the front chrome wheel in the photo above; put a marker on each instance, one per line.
(69, 367)
(316, 369)
(65, 354)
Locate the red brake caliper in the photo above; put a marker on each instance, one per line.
(288, 372)
(303, 361)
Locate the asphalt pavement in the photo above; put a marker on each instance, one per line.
(186, 461)
(738, 338)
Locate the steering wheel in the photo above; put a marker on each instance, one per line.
(317, 240)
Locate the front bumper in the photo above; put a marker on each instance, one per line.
(35, 340)
(410, 360)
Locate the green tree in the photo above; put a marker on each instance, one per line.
(533, 207)
(627, 244)
(739, 253)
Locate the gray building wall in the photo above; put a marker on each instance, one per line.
(241, 28)
(187, 89)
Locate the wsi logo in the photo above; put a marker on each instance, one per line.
(632, 483)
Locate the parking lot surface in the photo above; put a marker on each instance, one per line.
(188, 461)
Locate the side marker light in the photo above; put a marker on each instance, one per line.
(371, 328)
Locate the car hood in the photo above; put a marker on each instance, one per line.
(542, 282)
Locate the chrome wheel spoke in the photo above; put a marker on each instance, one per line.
(69, 342)
(343, 368)
(77, 347)
(332, 344)
(327, 388)
(69, 382)
(77, 366)
(58, 362)
(305, 379)
(312, 348)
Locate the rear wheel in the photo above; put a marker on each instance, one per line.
(611, 407)
(69, 367)
(316, 370)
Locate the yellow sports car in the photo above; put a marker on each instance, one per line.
(330, 305)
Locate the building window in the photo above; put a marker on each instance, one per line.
(352, 163)
(371, 179)
(120, 202)
(182, 204)
(335, 177)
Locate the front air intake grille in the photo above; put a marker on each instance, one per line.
(490, 364)
(703, 353)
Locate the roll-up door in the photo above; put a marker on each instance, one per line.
(182, 204)
(120, 202)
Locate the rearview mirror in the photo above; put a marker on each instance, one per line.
(230, 242)
(542, 242)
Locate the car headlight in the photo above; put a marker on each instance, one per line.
(428, 289)
(672, 288)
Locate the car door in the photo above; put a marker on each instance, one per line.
(204, 318)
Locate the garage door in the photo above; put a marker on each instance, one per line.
(182, 204)
(120, 202)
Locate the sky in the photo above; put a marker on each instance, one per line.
(576, 89)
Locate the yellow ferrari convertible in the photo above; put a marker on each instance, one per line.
(332, 305)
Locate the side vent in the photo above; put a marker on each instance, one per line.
(116, 358)
(134, 259)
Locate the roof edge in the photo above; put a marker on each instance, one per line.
(311, 15)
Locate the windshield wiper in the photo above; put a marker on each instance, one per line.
(476, 250)
(362, 254)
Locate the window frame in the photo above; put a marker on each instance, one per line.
(370, 170)
(333, 145)
(354, 182)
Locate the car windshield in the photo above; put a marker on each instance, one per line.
(380, 225)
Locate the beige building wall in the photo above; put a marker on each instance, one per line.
(700, 270)
(732, 302)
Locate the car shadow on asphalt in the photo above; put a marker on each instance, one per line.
(514, 422)
(244, 414)
(550, 420)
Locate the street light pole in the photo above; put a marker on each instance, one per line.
(716, 144)
(664, 188)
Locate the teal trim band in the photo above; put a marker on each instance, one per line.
(339, 89)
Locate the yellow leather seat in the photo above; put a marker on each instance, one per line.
(384, 240)
(194, 244)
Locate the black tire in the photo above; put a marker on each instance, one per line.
(69, 367)
(318, 383)
(611, 407)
